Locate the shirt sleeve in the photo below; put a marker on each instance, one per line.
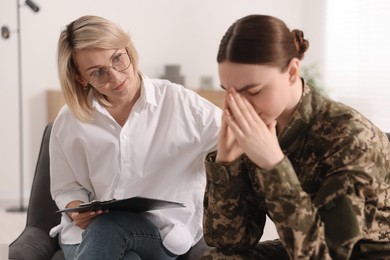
(233, 219)
(63, 183)
(208, 119)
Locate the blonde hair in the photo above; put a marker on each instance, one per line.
(88, 32)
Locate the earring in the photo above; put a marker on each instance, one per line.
(86, 87)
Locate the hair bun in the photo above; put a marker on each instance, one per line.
(301, 44)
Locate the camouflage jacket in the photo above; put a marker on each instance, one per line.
(330, 191)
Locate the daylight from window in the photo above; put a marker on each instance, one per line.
(357, 70)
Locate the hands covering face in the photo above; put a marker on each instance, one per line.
(243, 131)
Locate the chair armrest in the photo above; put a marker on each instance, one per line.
(33, 244)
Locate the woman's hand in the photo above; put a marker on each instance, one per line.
(257, 140)
(82, 220)
(228, 148)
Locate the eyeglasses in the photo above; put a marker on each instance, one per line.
(100, 77)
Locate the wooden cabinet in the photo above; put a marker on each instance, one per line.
(215, 96)
(55, 100)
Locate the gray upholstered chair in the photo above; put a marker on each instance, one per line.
(34, 243)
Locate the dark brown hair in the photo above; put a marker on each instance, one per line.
(262, 39)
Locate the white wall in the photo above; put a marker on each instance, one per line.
(185, 32)
(358, 54)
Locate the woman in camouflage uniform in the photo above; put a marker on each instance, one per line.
(316, 167)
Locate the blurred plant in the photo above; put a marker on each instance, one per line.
(311, 73)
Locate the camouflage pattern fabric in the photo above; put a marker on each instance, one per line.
(329, 197)
(266, 250)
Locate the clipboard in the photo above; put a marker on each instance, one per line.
(134, 204)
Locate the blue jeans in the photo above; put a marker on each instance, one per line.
(119, 235)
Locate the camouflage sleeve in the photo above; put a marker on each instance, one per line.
(232, 219)
(350, 204)
(340, 214)
(291, 209)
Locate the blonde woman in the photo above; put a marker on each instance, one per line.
(122, 134)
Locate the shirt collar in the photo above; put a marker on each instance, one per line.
(148, 91)
(301, 119)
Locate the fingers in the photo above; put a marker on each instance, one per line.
(228, 148)
(272, 128)
(223, 122)
(251, 111)
(243, 105)
(238, 111)
(243, 112)
(82, 220)
(233, 126)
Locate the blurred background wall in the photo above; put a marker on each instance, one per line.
(182, 32)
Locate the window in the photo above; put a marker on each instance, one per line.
(357, 56)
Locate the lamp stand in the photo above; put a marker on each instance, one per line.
(20, 207)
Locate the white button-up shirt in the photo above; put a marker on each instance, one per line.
(158, 153)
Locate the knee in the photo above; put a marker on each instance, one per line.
(103, 226)
(120, 224)
(131, 255)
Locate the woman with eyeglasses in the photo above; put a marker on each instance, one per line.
(319, 169)
(120, 135)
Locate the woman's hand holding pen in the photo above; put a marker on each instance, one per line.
(248, 131)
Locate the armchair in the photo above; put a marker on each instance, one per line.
(34, 243)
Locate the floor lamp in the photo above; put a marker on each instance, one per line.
(5, 34)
